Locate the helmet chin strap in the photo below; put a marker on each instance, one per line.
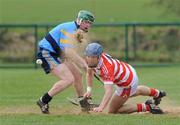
(95, 65)
(79, 21)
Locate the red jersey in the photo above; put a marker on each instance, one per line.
(113, 70)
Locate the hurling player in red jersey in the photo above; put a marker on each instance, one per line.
(114, 72)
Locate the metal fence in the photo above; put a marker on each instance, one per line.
(120, 39)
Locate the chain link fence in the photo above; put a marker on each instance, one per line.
(155, 44)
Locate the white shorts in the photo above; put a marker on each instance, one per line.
(131, 90)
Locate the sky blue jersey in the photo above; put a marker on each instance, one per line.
(58, 35)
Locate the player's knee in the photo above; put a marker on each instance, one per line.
(111, 111)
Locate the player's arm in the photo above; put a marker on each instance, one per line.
(71, 54)
(108, 87)
(68, 41)
(89, 79)
(106, 98)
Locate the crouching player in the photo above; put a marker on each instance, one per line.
(114, 72)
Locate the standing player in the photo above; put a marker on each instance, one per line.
(57, 55)
(112, 71)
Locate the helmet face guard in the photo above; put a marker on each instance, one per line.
(85, 25)
(92, 62)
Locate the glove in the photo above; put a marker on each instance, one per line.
(79, 35)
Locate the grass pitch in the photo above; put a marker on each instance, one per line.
(20, 88)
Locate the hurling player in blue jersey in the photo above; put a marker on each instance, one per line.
(57, 54)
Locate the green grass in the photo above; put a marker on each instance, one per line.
(55, 11)
(89, 120)
(20, 88)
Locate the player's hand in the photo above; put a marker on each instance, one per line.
(79, 35)
(87, 94)
(98, 109)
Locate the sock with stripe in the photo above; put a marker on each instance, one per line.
(154, 92)
(142, 107)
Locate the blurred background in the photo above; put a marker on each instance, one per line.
(141, 32)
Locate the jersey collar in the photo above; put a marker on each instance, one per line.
(77, 26)
(100, 63)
